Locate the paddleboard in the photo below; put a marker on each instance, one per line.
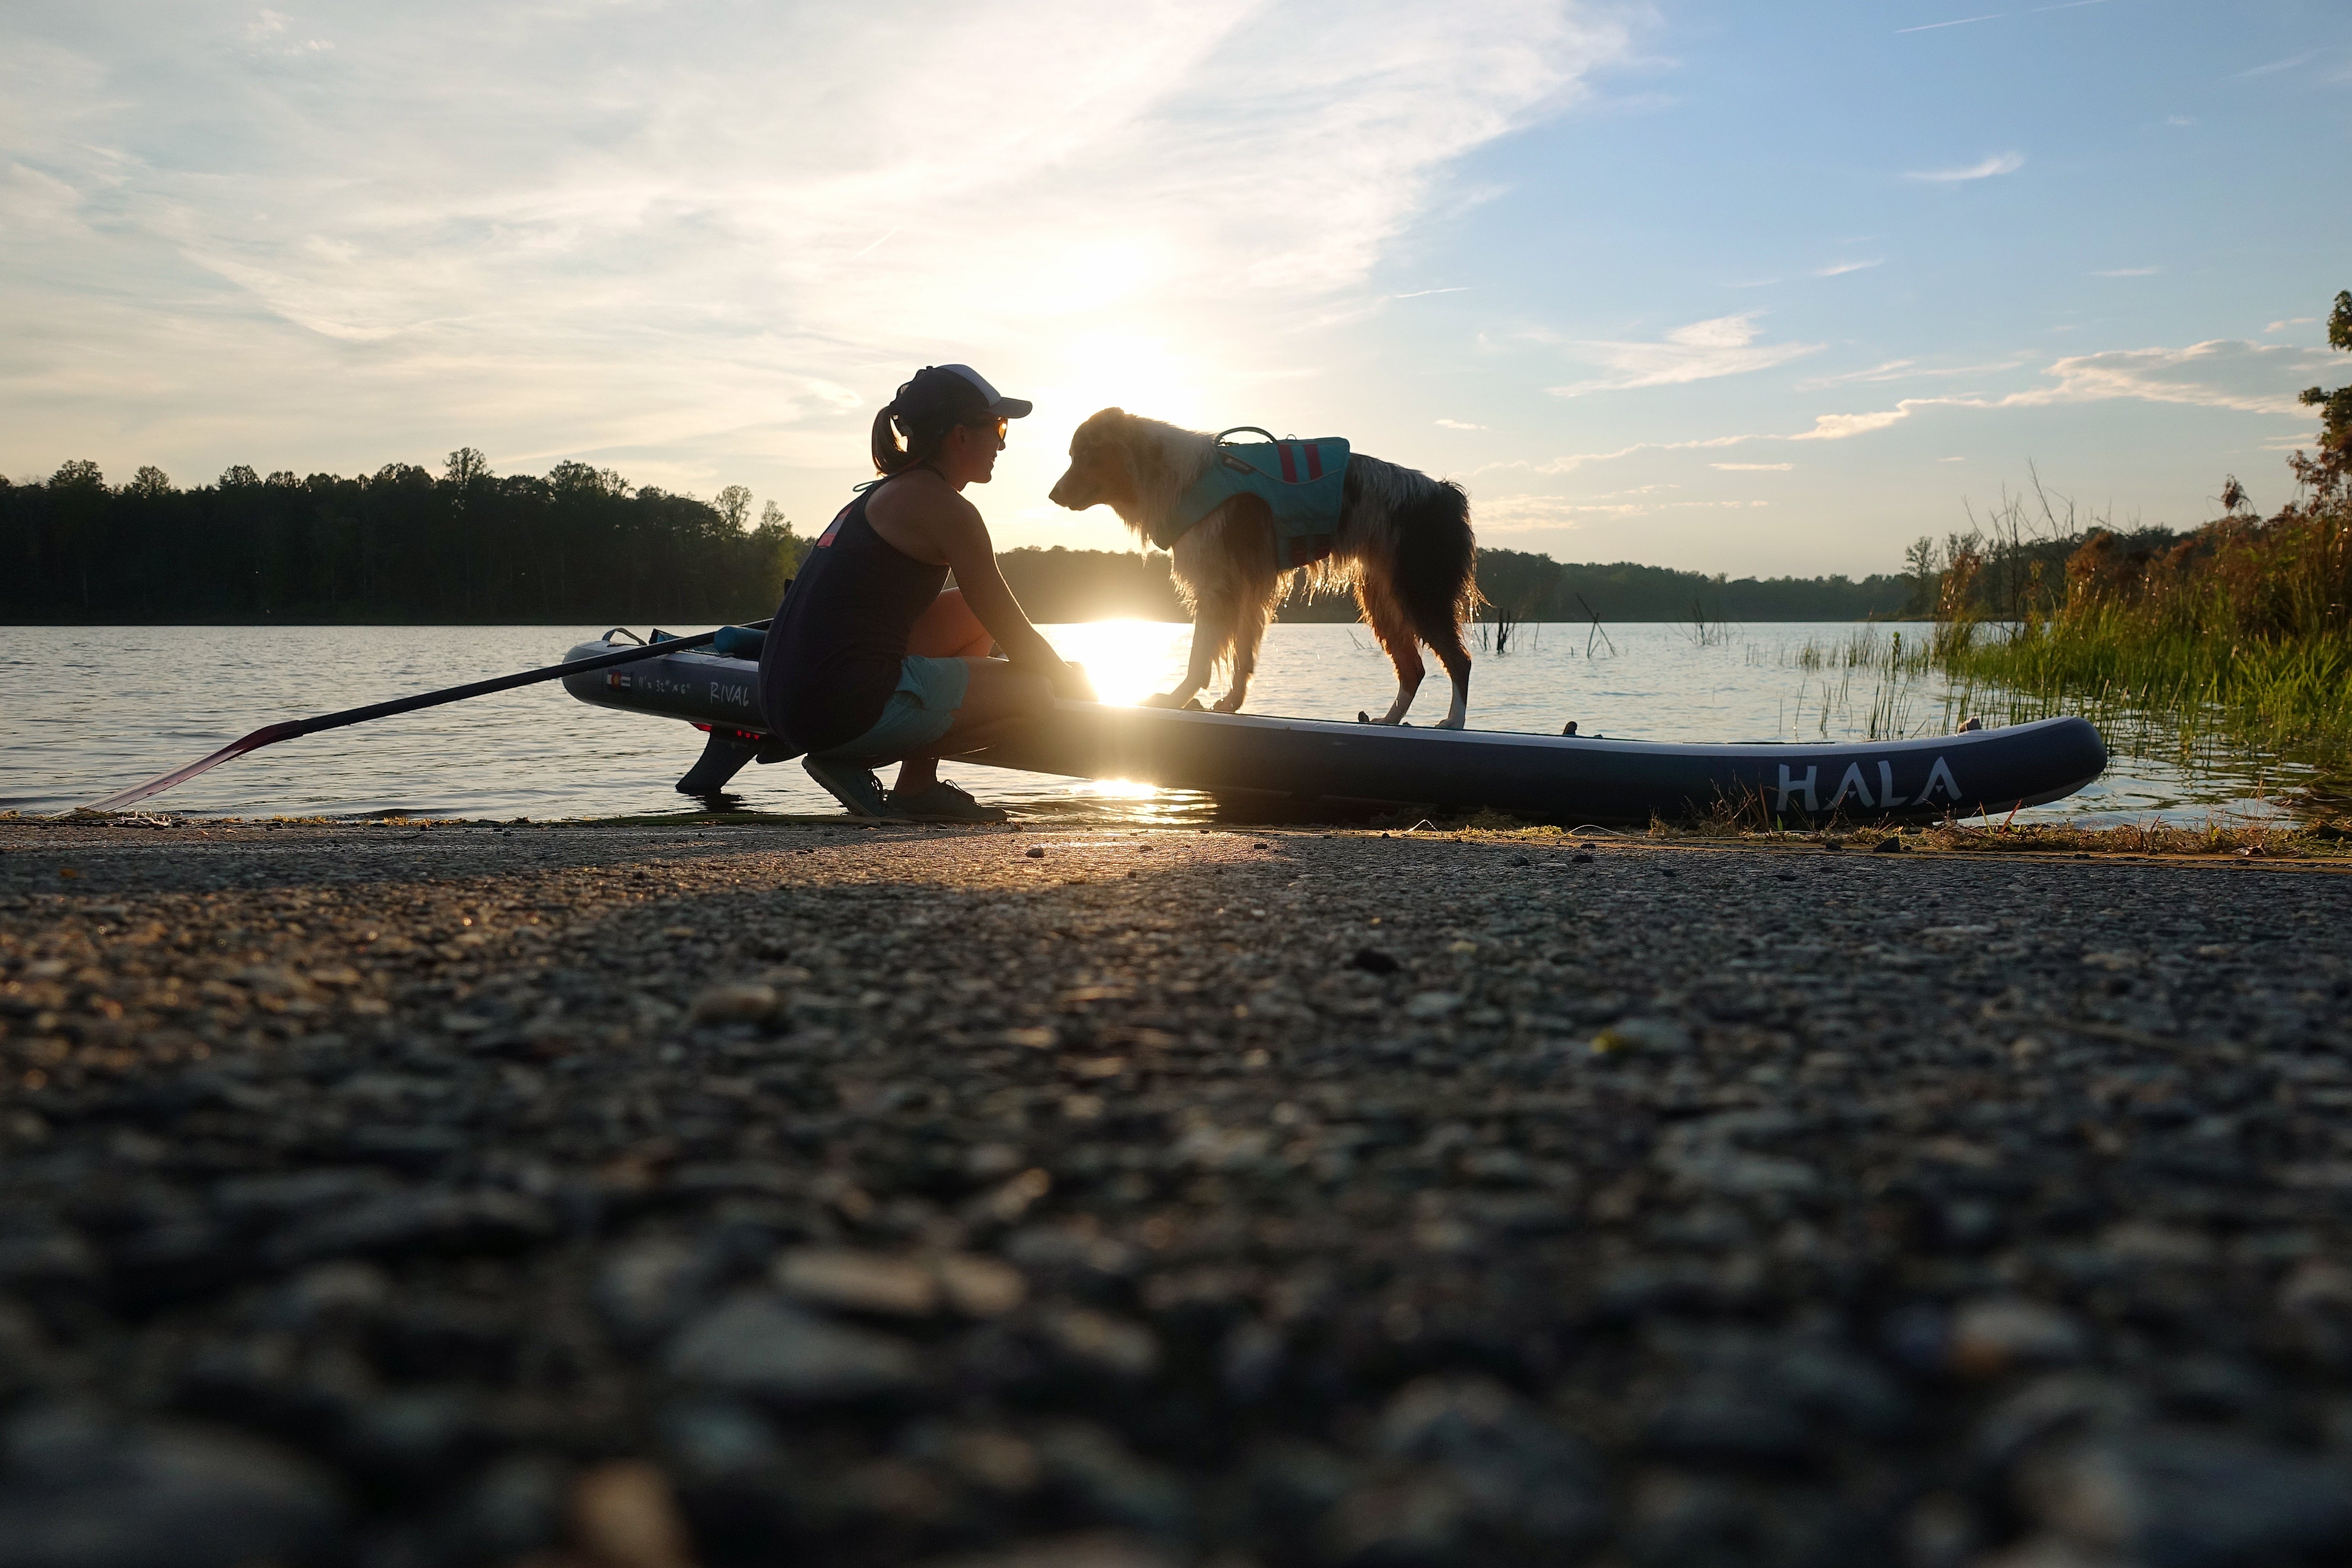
(1585, 780)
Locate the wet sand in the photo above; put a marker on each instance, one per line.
(644, 1194)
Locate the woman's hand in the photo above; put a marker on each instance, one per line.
(1070, 681)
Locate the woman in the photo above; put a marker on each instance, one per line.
(868, 661)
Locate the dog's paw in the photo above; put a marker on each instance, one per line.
(1452, 723)
(1363, 718)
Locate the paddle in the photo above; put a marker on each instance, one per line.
(270, 735)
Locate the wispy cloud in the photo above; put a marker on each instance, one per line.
(2220, 373)
(2276, 66)
(1998, 163)
(1904, 371)
(1570, 463)
(1457, 425)
(2227, 374)
(1997, 15)
(1834, 269)
(1724, 346)
(1532, 513)
(268, 32)
(1839, 426)
(2128, 272)
(1891, 369)
(1526, 514)
(2290, 321)
(2223, 374)
(1957, 22)
(1753, 467)
(1425, 293)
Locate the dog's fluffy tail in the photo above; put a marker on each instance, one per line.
(1437, 557)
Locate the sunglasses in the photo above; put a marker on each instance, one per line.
(1001, 424)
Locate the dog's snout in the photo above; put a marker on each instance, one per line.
(1060, 495)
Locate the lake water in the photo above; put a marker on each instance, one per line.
(91, 710)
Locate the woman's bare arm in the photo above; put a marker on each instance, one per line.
(926, 520)
(964, 540)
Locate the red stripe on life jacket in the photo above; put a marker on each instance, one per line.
(1289, 464)
(1313, 459)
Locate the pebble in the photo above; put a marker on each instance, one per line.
(1427, 1005)
(844, 1280)
(79, 1492)
(2186, 1499)
(848, 1281)
(1086, 1551)
(624, 1516)
(1992, 1336)
(1643, 1034)
(749, 1003)
(436, 1220)
(758, 1347)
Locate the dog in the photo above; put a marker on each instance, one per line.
(1402, 542)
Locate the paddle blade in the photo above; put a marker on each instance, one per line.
(254, 742)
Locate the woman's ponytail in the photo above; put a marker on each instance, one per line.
(889, 458)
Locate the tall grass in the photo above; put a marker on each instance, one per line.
(2243, 628)
(1888, 661)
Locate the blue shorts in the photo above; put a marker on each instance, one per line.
(916, 715)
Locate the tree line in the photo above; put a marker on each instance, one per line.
(582, 543)
(400, 545)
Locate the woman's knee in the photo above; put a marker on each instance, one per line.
(947, 628)
(997, 691)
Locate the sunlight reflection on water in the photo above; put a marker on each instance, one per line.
(91, 710)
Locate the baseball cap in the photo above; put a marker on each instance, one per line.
(999, 406)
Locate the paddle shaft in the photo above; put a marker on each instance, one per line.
(269, 735)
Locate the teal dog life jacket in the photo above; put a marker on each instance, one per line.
(1304, 482)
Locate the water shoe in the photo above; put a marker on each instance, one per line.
(943, 802)
(856, 787)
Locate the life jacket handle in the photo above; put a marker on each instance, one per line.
(1244, 462)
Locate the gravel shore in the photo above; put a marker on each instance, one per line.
(640, 1197)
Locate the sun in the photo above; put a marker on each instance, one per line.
(1133, 370)
(1127, 660)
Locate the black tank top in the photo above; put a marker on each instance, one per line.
(830, 660)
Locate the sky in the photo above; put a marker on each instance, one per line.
(1733, 287)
